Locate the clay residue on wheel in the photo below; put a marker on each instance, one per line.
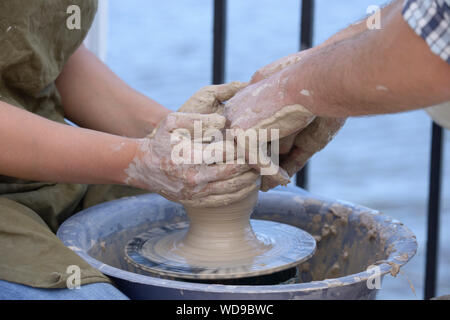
(349, 240)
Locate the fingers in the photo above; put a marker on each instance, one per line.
(220, 151)
(227, 91)
(203, 101)
(267, 164)
(311, 140)
(270, 182)
(281, 178)
(208, 99)
(319, 133)
(204, 174)
(287, 120)
(194, 121)
(258, 107)
(220, 200)
(228, 186)
(285, 123)
(287, 143)
(262, 155)
(296, 160)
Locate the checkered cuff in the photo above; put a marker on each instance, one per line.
(430, 19)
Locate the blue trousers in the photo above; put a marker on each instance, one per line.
(94, 291)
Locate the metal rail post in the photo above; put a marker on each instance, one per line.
(219, 41)
(306, 42)
(434, 197)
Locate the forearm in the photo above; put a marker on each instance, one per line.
(381, 71)
(351, 31)
(357, 27)
(38, 149)
(95, 98)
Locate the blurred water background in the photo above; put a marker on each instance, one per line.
(164, 49)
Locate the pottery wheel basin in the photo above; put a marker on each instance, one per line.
(349, 238)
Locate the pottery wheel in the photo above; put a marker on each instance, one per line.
(218, 246)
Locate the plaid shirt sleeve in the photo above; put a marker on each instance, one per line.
(430, 19)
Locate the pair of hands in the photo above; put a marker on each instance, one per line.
(255, 105)
(193, 184)
(302, 134)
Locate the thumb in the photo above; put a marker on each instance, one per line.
(194, 121)
(208, 99)
(227, 91)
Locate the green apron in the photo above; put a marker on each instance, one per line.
(35, 45)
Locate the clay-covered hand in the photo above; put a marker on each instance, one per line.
(264, 104)
(156, 169)
(210, 99)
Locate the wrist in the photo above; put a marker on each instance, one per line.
(124, 155)
(140, 171)
(146, 114)
(295, 87)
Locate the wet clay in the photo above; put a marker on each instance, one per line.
(221, 243)
(221, 234)
(350, 239)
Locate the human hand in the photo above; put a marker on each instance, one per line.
(155, 169)
(211, 99)
(264, 105)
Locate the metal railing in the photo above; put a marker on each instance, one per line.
(306, 32)
(434, 199)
